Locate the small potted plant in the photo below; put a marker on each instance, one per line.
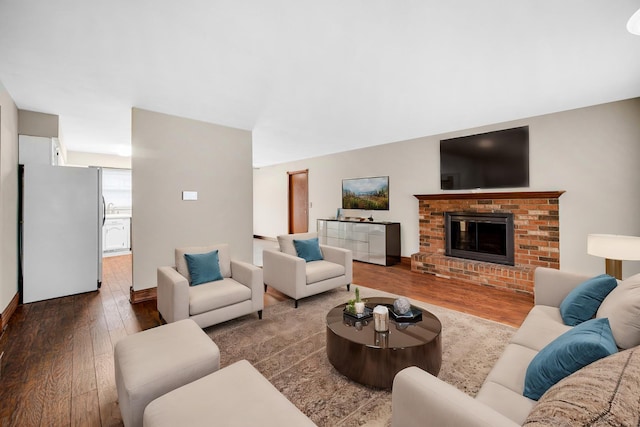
(358, 304)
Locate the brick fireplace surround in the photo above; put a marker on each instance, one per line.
(536, 237)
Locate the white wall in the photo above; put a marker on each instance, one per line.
(592, 153)
(8, 199)
(171, 155)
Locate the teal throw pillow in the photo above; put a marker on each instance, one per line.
(589, 341)
(583, 301)
(203, 268)
(308, 249)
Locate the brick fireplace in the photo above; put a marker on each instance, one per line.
(536, 236)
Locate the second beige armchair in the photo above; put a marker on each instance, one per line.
(290, 274)
(237, 292)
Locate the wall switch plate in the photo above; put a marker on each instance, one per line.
(189, 195)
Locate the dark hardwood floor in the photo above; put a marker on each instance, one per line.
(483, 301)
(57, 367)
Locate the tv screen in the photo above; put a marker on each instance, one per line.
(366, 193)
(488, 160)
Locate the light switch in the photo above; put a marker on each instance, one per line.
(189, 195)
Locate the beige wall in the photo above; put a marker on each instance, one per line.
(8, 198)
(592, 153)
(171, 155)
(38, 124)
(77, 158)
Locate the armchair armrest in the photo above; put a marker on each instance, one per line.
(250, 276)
(173, 294)
(551, 286)
(340, 256)
(419, 399)
(283, 271)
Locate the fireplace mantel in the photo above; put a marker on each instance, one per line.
(497, 195)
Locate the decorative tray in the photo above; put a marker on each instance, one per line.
(413, 315)
(368, 312)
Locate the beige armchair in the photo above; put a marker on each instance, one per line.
(240, 291)
(285, 271)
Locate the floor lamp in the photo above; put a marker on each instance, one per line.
(615, 249)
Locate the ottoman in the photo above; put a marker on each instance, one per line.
(151, 363)
(235, 396)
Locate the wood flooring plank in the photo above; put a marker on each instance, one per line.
(57, 400)
(85, 411)
(29, 402)
(111, 313)
(57, 412)
(84, 374)
(107, 394)
(100, 337)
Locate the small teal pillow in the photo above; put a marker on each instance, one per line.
(203, 268)
(571, 351)
(308, 249)
(583, 301)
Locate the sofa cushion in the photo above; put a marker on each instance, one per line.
(510, 369)
(224, 260)
(509, 403)
(542, 325)
(286, 241)
(323, 270)
(576, 348)
(622, 308)
(603, 393)
(203, 268)
(212, 295)
(309, 249)
(582, 302)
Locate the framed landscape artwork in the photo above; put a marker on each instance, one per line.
(366, 193)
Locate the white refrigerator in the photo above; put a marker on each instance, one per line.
(62, 213)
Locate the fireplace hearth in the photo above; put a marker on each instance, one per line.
(477, 236)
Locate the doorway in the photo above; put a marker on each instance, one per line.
(298, 201)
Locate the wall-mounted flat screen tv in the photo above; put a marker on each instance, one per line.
(489, 160)
(366, 193)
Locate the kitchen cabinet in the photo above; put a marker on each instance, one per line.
(39, 150)
(116, 235)
(370, 241)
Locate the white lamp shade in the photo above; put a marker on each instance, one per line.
(633, 25)
(613, 246)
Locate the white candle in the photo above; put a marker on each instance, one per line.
(381, 318)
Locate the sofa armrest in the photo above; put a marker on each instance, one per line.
(341, 256)
(250, 276)
(173, 294)
(283, 271)
(551, 286)
(420, 399)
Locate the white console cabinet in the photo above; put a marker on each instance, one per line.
(370, 241)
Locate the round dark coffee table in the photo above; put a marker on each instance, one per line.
(372, 358)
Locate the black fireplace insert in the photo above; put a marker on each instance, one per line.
(480, 236)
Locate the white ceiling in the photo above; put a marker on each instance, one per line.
(313, 77)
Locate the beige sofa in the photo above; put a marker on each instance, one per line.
(285, 271)
(420, 399)
(240, 292)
